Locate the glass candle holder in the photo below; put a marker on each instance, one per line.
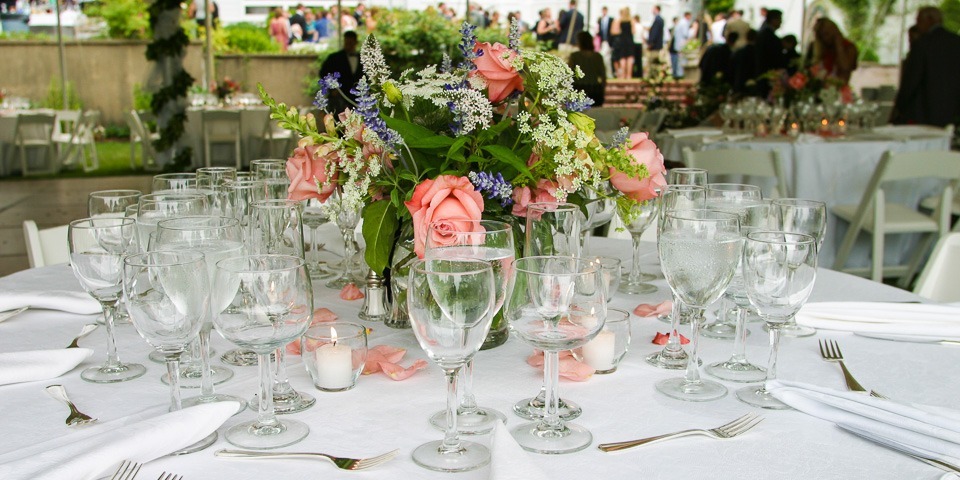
(334, 354)
(605, 351)
(610, 268)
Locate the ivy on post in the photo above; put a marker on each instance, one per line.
(170, 82)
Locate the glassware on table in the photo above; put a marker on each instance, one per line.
(492, 242)
(168, 295)
(687, 176)
(210, 180)
(640, 216)
(111, 203)
(699, 253)
(451, 304)
(217, 238)
(674, 198)
(273, 172)
(263, 302)
(552, 228)
(599, 212)
(269, 166)
(347, 219)
(556, 303)
(611, 270)
(605, 351)
(159, 206)
(315, 214)
(97, 247)
(779, 270)
(809, 217)
(334, 354)
(174, 183)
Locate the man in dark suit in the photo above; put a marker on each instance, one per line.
(571, 22)
(716, 64)
(769, 48)
(743, 66)
(346, 62)
(655, 38)
(930, 88)
(603, 33)
(298, 18)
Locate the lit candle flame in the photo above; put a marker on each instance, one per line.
(333, 336)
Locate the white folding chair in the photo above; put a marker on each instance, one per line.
(139, 133)
(271, 135)
(45, 247)
(878, 218)
(755, 163)
(80, 147)
(220, 126)
(35, 132)
(939, 280)
(65, 122)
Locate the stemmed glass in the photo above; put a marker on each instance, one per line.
(216, 238)
(347, 220)
(779, 270)
(492, 242)
(174, 183)
(97, 248)
(111, 203)
(699, 253)
(314, 215)
(168, 296)
(599, 212)
(674, 198)
(687, 176)
(263, 302)
(640, 216)
(556, 303)
(451, 304)
(210, 180)
(158, 206)
(808, 217)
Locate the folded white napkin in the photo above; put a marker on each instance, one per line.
(510, 461)
(902, 319)
(37, 365)
(86, 456)
(694, 131)
(53, 288)
(927, 431)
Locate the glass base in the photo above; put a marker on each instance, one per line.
(287, 403)
(644, 277)
(704, 391)
(636, 288)
(478, 421)
(721, 331)
(122, 373)
(532, 409)
(793, 330)
(190, 377)
(196, 447)
(569, 438)
(758, 397)
(471, 456)
(733, 371)
(157, 357)
(216, 397)
(120, 318)
(339, 282)
(254, 436)
(670, 360)
(665, 318)
(240, 357)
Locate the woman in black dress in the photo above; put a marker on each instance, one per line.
(547, 29)
(621, 39)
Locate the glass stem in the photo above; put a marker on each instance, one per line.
(551, 404)
(772, 362)
(692, 375)
(673, 341)
(740, 336)
(451, 442)
(635, 278)
(173, 371)
(468, 403)
(348, 251)
(281, 384)
(109, 316)
(206, 382)
(265, 415)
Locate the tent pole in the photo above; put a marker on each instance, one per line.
(63, 59)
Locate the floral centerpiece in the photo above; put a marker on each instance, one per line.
(480, 139)
(226, 88)
(811, 84)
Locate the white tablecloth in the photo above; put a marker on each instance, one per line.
(380, 414)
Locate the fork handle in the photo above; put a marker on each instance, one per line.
(258, 454)
(852, 384)
(613, 447)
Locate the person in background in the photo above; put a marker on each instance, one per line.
(298, 24)
(716, 64)
(360, 13)
(637, 47)
(591, 63)
(547, 29)
(736, 23)
(716, 28)
(310, 34)
(346, 62)
(744, 66)
(655, 37)
(930, 85)
(621, 34)
(790, 51)
(679, 36)
(672, 49)
(769, 49)
(603, 40)
(195, 11)
(571, 22)
(830, 51)
(322, 24)
(370, 20)
(524, 26)
(280, 29)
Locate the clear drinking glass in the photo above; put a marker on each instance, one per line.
(314, 215)
(159, 206)
(347, 220)
(97, 247)
(263, 302)
(687, 176)
(451, 304)
(639, 217)
(210, 180)
(699, 253)
(174, 183)
(779, 270)
(168, 295)
(111, 203)
(556, 303)
(216, 238)
(809, 217)
(492, 242)
(273, 172)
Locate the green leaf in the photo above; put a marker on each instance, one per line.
(380, 224)
(506, 155)
(456, 150)
(418, 137)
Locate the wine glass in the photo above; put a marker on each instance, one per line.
(492, 242)
(111, 203)
(674, 198)
(599, 212)
(347, 220)
(808, 217)
(175, 183)
(639, 216)
(216, 238)
(556, 303)
(273, 172)
(779, 270)
(687, 176)
(210, 180)
(552, 229)
(168, 296)
(158, 206)
(263, 302)
(451, 304)
(699, 253)
(314, 215)
(97, 247)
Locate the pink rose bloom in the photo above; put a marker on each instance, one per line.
(447, 197)
(306, 168)
(496, 66)
(644, 152)
(523, 196)
(350, 292)
(797, 81)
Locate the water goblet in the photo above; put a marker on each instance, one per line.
(490, 241)
(686, 176)
(97, 247)
(552, 229)
(809, 217)
(779, 270)
(556, 303)
(263, 302)
(210, 180)
(174, 183)
(315, 214)
(347, 219)
(638, 217)
(111, 203)
(699, 253)
(158, 206)
(451, 304)
(168, 295)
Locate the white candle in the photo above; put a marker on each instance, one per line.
(599, 353)
(334, 364)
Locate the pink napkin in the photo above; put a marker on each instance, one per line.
(661, 339)
(650, 310)
(320, 315)
(350, 292)
(570, 368)
(384, 358)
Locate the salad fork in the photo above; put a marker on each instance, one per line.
(76, 417)
(343, 463)
(729, 430)
(127, 470)
(169, 476)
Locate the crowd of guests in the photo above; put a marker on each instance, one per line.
(310, 25)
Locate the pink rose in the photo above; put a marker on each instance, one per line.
(307, 167)
(542, 193)
(797, 81)
(644, 152)
(448, 197)
(496, 66)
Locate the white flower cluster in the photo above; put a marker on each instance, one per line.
(474, 111)
(358, 170)
(374, 64)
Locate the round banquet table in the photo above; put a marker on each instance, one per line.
(380, 414)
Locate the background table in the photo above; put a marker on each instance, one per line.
(380, 414)
(252, 123)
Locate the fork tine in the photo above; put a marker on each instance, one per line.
(836, 347)
(746, 427)
(734, 422)
(823, 350)
(374, 461)
(126, 471)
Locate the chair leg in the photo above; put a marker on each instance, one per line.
(916, 260)
(876, 270)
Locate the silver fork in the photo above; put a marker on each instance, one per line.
(830, 351)
(169, 476)
(127, 470)
(343, 463)
(76, 417)
(729, 430)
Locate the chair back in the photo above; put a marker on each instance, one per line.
(939, 280)
(148, 151)
(757, 163)
(35, 127)
(221, 123)
(45, 247)
(651, 121)
(66, 121)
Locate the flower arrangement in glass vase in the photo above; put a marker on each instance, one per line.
(226, 88)
(478, 139)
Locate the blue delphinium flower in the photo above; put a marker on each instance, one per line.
(578, 105)
(468, 42)
(494, 185)
(327, 83)
(620, 137)
(368, 109)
